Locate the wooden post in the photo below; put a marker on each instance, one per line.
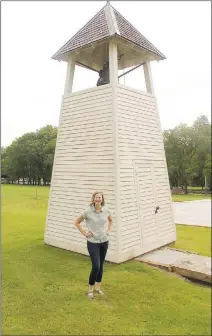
(113, 63)
(70, 74)
(148, 77)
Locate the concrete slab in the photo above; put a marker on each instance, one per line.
(195, 267)
(197, 213)
(184, 263)
(164, 257)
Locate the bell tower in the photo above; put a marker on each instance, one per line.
(110, 139)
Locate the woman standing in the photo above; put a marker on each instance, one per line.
(99, 223)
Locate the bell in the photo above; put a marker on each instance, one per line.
(104, 75)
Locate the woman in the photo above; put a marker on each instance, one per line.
(99, 223)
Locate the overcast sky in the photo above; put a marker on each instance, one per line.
(33, 83)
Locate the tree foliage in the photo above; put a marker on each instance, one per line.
(30, 157)
(188, 154)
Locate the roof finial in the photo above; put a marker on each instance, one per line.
(108, 2)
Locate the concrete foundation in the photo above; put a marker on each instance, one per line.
(184, 263)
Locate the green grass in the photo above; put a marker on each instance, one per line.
(190, 197)
(194, 239)
(43, 287)
(195, 188)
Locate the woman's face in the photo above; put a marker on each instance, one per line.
(98, 199)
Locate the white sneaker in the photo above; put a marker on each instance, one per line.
(90, 295)
(99, 291)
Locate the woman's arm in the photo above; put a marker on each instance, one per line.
(110, 222)
(77, 222)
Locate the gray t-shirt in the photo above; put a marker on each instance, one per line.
(97, 223)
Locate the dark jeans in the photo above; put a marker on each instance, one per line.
(97, 253)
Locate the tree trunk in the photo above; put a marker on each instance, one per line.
(206, 184)
(186, 189)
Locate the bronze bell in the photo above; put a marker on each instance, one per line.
(104, 74)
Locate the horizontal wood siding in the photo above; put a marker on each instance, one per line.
(143, 179)
(83, 163)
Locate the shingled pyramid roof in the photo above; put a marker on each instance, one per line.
(106, 23)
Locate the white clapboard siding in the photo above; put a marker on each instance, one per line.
(143, 176)
(83, 163)
(111, 141)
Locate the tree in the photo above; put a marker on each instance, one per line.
(30, 156)
(202, 129)
(46, 138)
(49, 150)
(188, 153)
(180, 147)
(207, 171)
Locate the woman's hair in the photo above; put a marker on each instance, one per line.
(93, 196)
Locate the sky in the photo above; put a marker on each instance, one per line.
(33, 83)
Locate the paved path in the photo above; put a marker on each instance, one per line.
(184, 263)
(193, 212)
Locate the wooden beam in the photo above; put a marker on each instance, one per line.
(93, 45)
(86, 66)
(113, 62)
(148, 77)
(125, 73)
(113, 68)
(70, 73)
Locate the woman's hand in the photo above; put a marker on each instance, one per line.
(88, 234)
(77, 222)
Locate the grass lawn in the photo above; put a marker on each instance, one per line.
(195, 188)
(190, 197)
(195, 239)
(43, 287)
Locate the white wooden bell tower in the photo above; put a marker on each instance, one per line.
(110, 139)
